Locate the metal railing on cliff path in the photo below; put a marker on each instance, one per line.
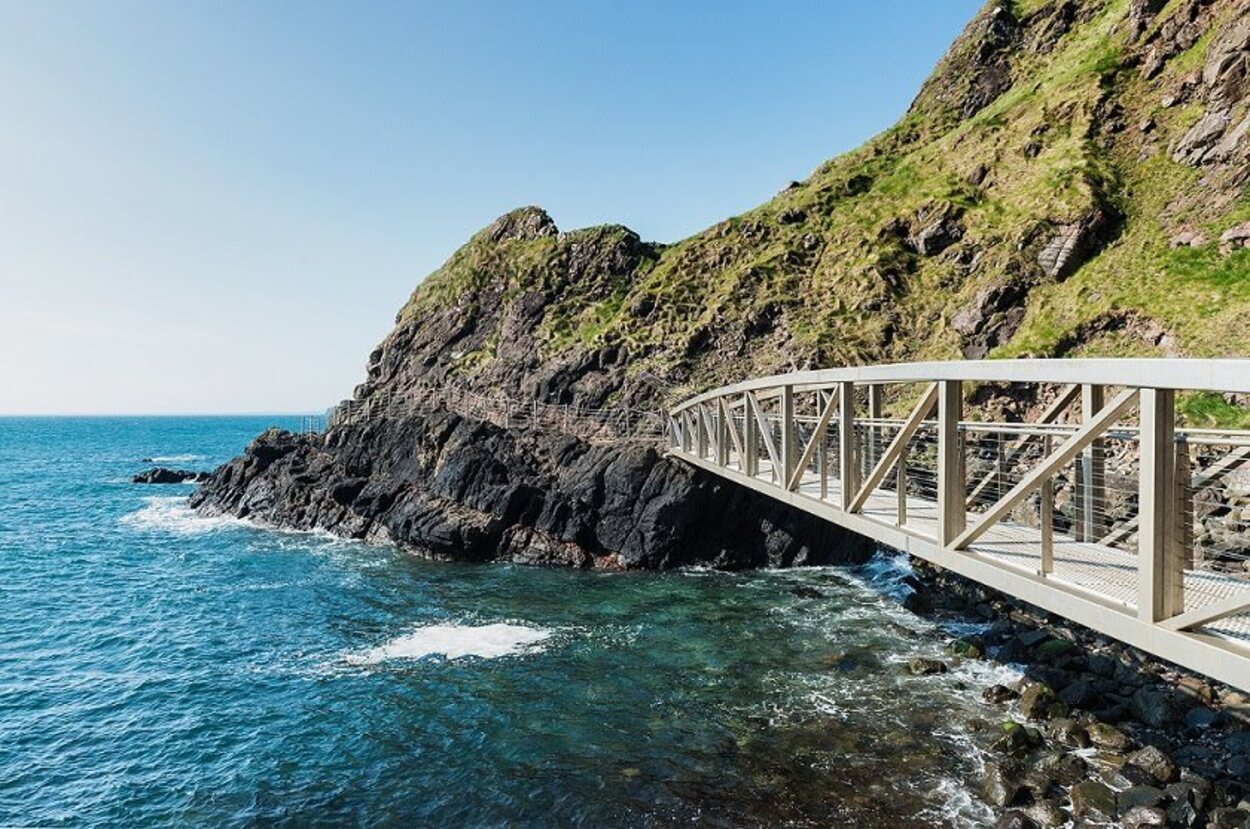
(591, 424)
(1103, 509)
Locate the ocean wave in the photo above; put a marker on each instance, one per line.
(171, 514)
(455, 641)
(187, 457)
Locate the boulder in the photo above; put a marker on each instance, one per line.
(1141, 816)
(1091, 799)
(1153, 707)
(1014, 819)
(1155, 761)
(162, 475)
(1046, 814)
(1038, 702)
(1105, 736)
(1135, 796)
(999, 694)
(923, 667)
(1001, 785)
(1237, 236)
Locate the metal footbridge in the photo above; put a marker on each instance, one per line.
(1098, 507)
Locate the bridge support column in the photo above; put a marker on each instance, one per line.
(789, 453)
(1160, 565)
(1091, 473)
(951, 484)
(848, 469)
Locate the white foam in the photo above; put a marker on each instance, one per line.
(171, 514)
(457, 641)
(183, 458)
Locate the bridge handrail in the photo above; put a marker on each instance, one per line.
(1184, 374)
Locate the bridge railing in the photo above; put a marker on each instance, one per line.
(1077, 473)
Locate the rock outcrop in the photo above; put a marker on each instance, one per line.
(448, 487)
(162, 475)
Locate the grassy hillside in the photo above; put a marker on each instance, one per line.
(1060, 186)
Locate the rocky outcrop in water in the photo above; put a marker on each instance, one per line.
(449, 487)
(163, 475)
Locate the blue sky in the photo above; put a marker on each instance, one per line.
(218, 207)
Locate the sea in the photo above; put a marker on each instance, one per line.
(162, 668)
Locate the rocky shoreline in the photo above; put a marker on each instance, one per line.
(449, 487)
(1096, 732)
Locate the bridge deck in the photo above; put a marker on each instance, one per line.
(1106, 573)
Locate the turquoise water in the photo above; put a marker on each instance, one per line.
(158, 669)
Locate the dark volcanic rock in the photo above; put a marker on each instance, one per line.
(450, 487)
(162, 475)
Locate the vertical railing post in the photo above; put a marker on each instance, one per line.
(1156, 562)
(1182, 522)
(750, 440)
(873, 450)
(848, 470)
(1046, 516)
(951, 485)
(789, 454)
(900, 484)
(722, 433)
(700, 431)
(822, 448)
(1091, 482)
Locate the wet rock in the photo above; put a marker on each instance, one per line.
(1064, 769)
(1191, 789)
(998, 694)
(1201, 718)
(1014, 819)
(1080, 694)
(1067, 732)
(1105, 736)
(1047, 814)
(924, 667)
(162, 475)
(1152, 707)
(1182, 814)
(1038, 702)
(1227, 817)
(969, 648)
(1091, 799)
(1001, 785)
(1155, 761)
(1016, 739)
(1136, 796)
(1140, 816)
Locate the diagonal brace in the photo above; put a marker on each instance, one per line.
(1084, 436)
(765, 432)
(818, 434)
(892, 453)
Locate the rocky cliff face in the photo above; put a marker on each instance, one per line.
(1070, 181)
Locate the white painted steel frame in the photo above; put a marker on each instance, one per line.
(1159, 623)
